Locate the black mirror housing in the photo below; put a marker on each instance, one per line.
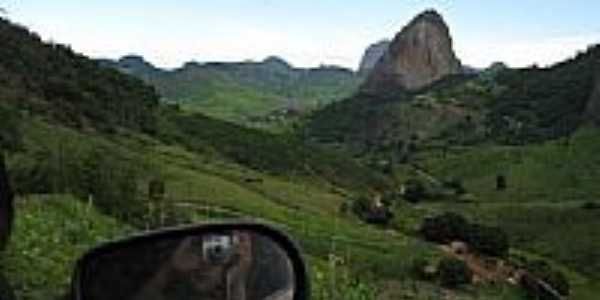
(195, 254)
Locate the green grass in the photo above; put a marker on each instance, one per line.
(546, 172)
(212, 187)
(50, 233)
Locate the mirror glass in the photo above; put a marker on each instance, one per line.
(233, 265)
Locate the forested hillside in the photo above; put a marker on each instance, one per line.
(376, 188)
(67, 87)
(86, 147)
(250, 93)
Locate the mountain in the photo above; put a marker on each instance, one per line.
(134, 64)
(420, 54)
(244, 92)
(94, 141)
(91, 148)
(67, 87)
(372, 55)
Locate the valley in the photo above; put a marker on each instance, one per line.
(353, 165)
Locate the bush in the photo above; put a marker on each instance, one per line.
(10, 131)
(453, 273)
(445, 228)
(414, 191)
(448, 227)
(487, 240)
(456, 185)
(589, 205)
(363, 208)
(501, 183)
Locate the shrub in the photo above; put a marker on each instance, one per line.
(456, 185)
(445, 228)
(500, 183)
(414, 191)
(589, 205)
(453, 273)
(363, 208)
(487, 240)
(10, 131)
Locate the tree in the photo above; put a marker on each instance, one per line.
(457, 185)
(454, 273)
(414, 191)
(500, 182)
(488, 240)
(10, 131)
(445, 228)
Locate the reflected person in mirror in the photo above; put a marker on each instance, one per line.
(216, 267)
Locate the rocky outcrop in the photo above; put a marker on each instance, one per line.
(418, 56)
(372, 55)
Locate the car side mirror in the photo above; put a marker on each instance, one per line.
(236, 261)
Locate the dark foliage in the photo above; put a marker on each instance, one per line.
(454, 273)
(6, 205)
(448, 227)
(364, 208)
(501, 182)
(590, 205)
(491, 241)
(10, 130)
(276, 154)
(456, 185)
(445, 228)
(540, 104)
(414, 191)
(542, 271)
(68, 87)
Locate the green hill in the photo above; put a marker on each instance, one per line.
(84, 177)
(85, 144)
(246, 92)
(531, 127)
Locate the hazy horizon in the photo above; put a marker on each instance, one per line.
(329, 32)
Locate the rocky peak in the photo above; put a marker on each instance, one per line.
(276, 62)
(135, 64)
(373, 53)
(420, 54)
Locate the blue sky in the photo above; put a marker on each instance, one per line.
(307, 33)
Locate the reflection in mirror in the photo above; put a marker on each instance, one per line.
(235, 265)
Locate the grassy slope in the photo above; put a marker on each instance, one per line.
(548, 172)
(542, 208)
(305, 207)
(50, 233)
(228, 100)
(239, 92)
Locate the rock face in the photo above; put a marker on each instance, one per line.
(372, 55)
(418, 56)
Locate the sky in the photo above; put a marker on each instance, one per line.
(307, 33)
